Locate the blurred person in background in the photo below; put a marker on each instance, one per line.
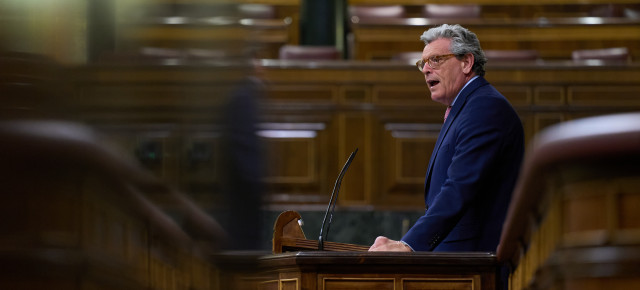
(242, 167)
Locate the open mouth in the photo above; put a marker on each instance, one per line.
(432, 83)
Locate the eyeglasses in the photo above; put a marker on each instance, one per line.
(434, 62)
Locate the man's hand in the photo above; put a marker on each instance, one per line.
(384, 244)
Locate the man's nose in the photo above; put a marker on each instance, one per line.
(426, 69)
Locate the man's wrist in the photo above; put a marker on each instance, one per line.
(406, 245)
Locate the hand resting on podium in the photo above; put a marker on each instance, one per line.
(384, 244)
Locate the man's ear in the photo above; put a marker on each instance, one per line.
(467, 63)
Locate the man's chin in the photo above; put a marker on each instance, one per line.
(438, 99)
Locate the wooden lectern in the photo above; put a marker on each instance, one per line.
(297, 264)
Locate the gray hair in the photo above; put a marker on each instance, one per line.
(463, 41)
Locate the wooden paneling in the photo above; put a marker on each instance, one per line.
(294, 160)
(356, 283)
(355, 131)
(585, 212)
(603, 283)
(604, 95)
(355, 94)
(365, 270)
(544, 120)
(401, 95)
(289, 284)
(629, 214)
(407, 148)
(316, 114)
(517, 95)
(303, 93)
(269, 285)
(441, 283)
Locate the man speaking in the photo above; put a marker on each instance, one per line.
(476, 160)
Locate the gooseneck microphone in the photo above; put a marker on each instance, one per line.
(332, 202)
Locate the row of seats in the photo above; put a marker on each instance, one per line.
(195, 11)
(265, 11)
(428, 11)
(293, 52)
(289, 49)
(301, 52)
(471, 11)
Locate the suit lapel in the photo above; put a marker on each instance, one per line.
(460, 102)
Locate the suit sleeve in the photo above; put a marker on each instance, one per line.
(481, 129)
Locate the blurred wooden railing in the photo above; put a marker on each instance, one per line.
(573, 221)
(77, 214)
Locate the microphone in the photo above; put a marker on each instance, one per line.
(333, 200)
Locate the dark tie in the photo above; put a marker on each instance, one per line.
(446, 113)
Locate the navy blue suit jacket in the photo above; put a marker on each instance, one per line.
(471, 174)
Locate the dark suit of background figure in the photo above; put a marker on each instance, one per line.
(471, 174)
(242, 166)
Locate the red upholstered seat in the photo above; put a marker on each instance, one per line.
(615, 53)
(371, 12)
(257, 11)
(309, 52)
(387, 11)
(615, 10)
(408, 56)
(451, 11)
(511, 55)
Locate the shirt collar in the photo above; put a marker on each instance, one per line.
(465, 85)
